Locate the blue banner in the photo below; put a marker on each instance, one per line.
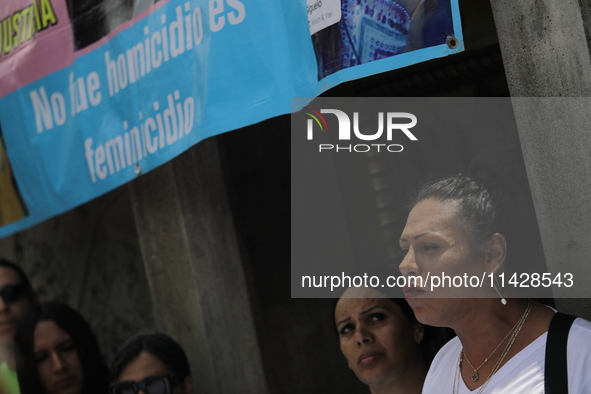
(90, 101)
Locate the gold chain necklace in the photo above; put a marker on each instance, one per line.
(516, 329)
(475, 374)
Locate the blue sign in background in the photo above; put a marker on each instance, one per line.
(177, 76)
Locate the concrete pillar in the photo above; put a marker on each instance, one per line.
(545, 51)
(194, 270)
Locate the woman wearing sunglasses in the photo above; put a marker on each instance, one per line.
(57, 353)
(153, 363)
(16, 298)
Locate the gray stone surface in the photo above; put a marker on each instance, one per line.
(198, 286)
(546, 54)
(544, 47)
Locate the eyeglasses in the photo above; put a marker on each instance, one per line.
(13, 293)
(154, 384)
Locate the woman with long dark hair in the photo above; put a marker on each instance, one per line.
(57, 353)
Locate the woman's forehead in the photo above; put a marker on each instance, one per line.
(48, 333)
(363, 292)
(9, 276)
(144, 365)
(432, 215)
(360, 300)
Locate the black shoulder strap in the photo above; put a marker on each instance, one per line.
(555, 375)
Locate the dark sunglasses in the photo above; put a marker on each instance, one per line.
(13, 293)
(154, 384)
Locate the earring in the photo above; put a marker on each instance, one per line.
(419, 333)
(420, 338)
(503, 300)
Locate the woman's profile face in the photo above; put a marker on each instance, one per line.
(145, 366)
(56, 357)
(376, 338)
(436, 245)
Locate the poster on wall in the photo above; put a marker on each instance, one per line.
(349, 33)
(94, 93)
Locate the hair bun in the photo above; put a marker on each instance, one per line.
(496, 170)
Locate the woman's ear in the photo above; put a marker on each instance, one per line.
(188, 385)
(497, 252)
(418, 332)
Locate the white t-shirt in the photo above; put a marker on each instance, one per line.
(523, 373)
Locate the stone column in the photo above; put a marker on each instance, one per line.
(545, 49)
(194, 270)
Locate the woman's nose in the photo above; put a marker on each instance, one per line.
(408, 265)
(59, 364)
(363, 335)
